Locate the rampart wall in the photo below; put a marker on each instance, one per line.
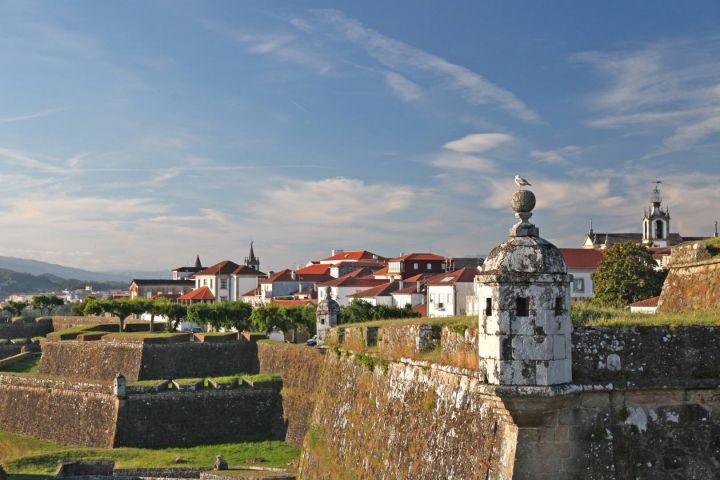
(88, 413)
(410, 420)
(201, 417)
(26, 329)
(9, 350)
(61, 322)
(693, 281)
(75, 412)
(405, 422)
(102, 359)
(300, 368)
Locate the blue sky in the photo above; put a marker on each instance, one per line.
(137, 134)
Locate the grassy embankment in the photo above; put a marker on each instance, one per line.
(583, 314)
(21, 455)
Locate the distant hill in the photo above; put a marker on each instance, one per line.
(35, 267)
(18, 282)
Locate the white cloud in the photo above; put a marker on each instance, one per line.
(31, 116)
(400, 56)
(459, 161)
(558, 156)
(674, 87)
(478, 142)
(25, 160)
(460, 154)
(405, 89)
(284, 47)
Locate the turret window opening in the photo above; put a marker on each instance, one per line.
(659, 229)
(559, 307)
(522, 307)
(488, 307)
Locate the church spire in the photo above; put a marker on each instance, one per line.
(251, 260)
(197, 262)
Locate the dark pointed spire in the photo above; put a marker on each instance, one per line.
(197, 262)
(252, 252)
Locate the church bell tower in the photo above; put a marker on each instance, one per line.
(656, 221)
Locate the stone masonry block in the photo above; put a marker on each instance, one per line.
(559, 371)
(560, 347)
(489, 346)
(517, 372)
(522, 326)
(532, 347)
(495, 325)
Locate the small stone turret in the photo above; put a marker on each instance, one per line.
(523, 291)
(326, 316)
(119, 386)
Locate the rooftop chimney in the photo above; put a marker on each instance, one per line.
(335, 251)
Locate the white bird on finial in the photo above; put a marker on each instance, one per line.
(521, 182)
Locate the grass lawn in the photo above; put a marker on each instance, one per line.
(585, 314)
(30, 456)
(26, 365)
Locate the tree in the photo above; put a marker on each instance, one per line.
(46, 303)
(14, 308)
(121, 308)
(175, 312)
(628, 274)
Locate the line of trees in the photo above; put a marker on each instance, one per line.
(45, 304)
(222, 315)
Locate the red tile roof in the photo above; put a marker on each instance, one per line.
(252, 293)
(290, 303)
(382, 290)
(286, 276)
(382, 271)
(314, 269)
(353, 255)
(464, 275)
(406, 290)
(202, 293)
(418, 256)
(582, 257)
(226, 267)
(355, 278)
(248, 271)
(422, 309)
(648, 302)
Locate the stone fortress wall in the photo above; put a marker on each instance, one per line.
(693, 280)
(103, 359)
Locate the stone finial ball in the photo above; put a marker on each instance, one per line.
(523, 201)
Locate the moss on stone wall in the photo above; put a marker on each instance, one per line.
(299, 366)
(405, 422)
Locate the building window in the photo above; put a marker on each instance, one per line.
(522, 307)
(429, 266)
(559, 306)
(579, 285)
(223, 283)
(204, 281)
(211, 283)
(488, 307)
(416, 266)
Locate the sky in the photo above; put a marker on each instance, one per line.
(137, 134)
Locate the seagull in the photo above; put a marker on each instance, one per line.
(521, 182)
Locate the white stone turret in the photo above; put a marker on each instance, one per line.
(326, 316)
(523, 292)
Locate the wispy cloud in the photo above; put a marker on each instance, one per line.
(461, 154)
(31, 116)
(407, 90)
(23, 159)
(400, 56)
(674, 86)
(282, 46)
(558, 156)
(478, 142)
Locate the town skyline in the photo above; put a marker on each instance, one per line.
(137, 135)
